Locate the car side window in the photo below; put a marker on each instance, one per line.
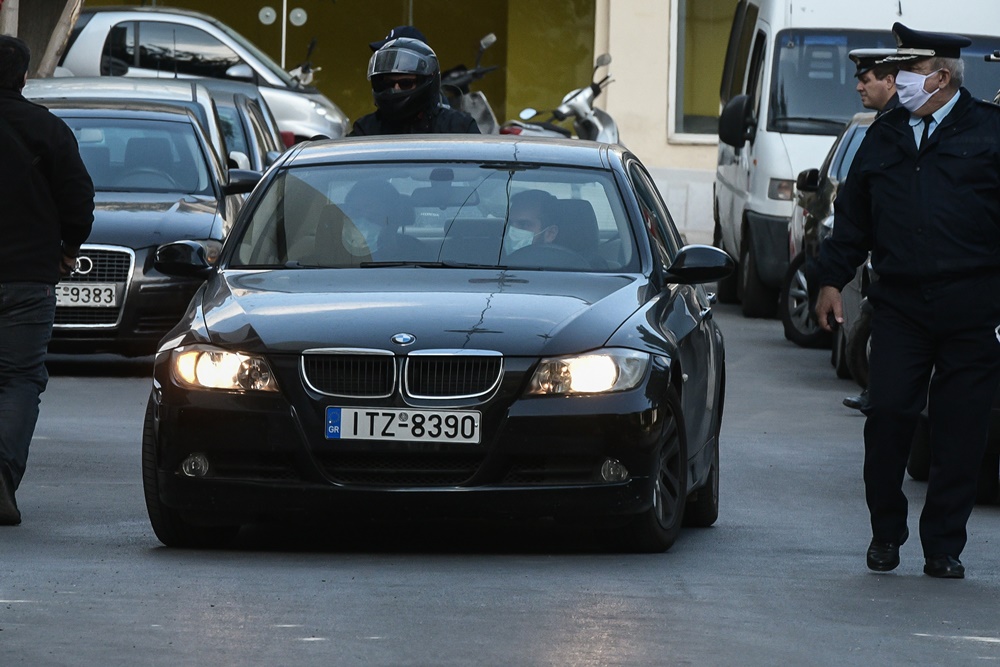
(656, 220)
(119, 50)
(173, 47)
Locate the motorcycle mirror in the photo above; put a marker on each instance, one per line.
(602, 60)
(527, 114)
(487, 41)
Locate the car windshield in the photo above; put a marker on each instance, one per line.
(440, 215)
(125, 155)
(286, 79)
(814, 85)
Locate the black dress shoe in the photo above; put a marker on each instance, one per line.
(944, 567)
(9, 514)
(884, 555)
(857, 402)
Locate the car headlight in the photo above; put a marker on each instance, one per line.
(212, 368)
(598, 372)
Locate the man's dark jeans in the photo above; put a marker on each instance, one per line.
(26, 314)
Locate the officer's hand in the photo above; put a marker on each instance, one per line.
(67, 265)
(829, 308)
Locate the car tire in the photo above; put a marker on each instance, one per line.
(794, 305)
(758, 299)
(918, 465)
(838, 356)
(858, 346)
(702, 508)
(727, 288)
(168, 524)
(656, 529)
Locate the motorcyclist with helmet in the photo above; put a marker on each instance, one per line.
(406, 86)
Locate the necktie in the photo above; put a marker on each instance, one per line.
(927, 130)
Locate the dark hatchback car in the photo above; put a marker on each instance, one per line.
(156, 180)
(385, 334)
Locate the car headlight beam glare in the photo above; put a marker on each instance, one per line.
(220, 369)
(598, 372)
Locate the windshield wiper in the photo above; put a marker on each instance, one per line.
(428, 265)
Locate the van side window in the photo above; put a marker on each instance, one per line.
(738, 51)
(755, 80)
(172, 47)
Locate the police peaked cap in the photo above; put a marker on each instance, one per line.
(866, 59)
(912, 44)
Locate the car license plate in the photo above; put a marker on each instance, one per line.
(389, 424)
(87, 295)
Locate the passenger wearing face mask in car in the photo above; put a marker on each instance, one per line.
(530, 220)
(406, 86)
(923, 195)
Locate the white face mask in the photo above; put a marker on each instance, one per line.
(910, 87)
(517, 238)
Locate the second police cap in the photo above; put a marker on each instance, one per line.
(866, 59)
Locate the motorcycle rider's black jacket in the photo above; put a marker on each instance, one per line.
(929, 214)
(436, 120)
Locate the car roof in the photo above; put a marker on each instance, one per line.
(464, 147)
(133, 108)
(153, 9)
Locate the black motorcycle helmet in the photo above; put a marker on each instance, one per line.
(404, 56)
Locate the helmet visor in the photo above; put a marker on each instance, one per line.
(401, 61)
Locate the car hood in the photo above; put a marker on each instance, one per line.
(526, 313)
(141, 219)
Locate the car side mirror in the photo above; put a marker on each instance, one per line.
(696, 264)
(185, 259)
(241, 72)
(807, 180)
(241, 181)
(736, 122)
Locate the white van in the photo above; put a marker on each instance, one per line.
(788, 88)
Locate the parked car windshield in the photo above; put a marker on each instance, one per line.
(133, 155)
(456, 214)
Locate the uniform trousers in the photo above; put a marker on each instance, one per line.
(27, 311)
(945, 333)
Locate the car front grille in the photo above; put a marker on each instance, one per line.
(357, 374)
(107, 264)
(442, 374)
(458, 376)
(399, 470)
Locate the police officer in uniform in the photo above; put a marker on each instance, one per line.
(923, 194)
(406, 86)
(876, 78)
(877, 87)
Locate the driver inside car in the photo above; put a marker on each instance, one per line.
(530, 220)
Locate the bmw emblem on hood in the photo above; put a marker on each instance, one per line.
(403, 339)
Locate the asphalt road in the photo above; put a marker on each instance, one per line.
(780, 579)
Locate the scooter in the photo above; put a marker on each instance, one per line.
(589, 123)
(455, 84)
(304, 72)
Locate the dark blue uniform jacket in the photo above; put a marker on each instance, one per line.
(925, 215)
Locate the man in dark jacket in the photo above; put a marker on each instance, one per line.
(406, 86)
(48, 209)
(923, 194)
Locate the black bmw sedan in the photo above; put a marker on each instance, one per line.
(156, 180)
(444, 326)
